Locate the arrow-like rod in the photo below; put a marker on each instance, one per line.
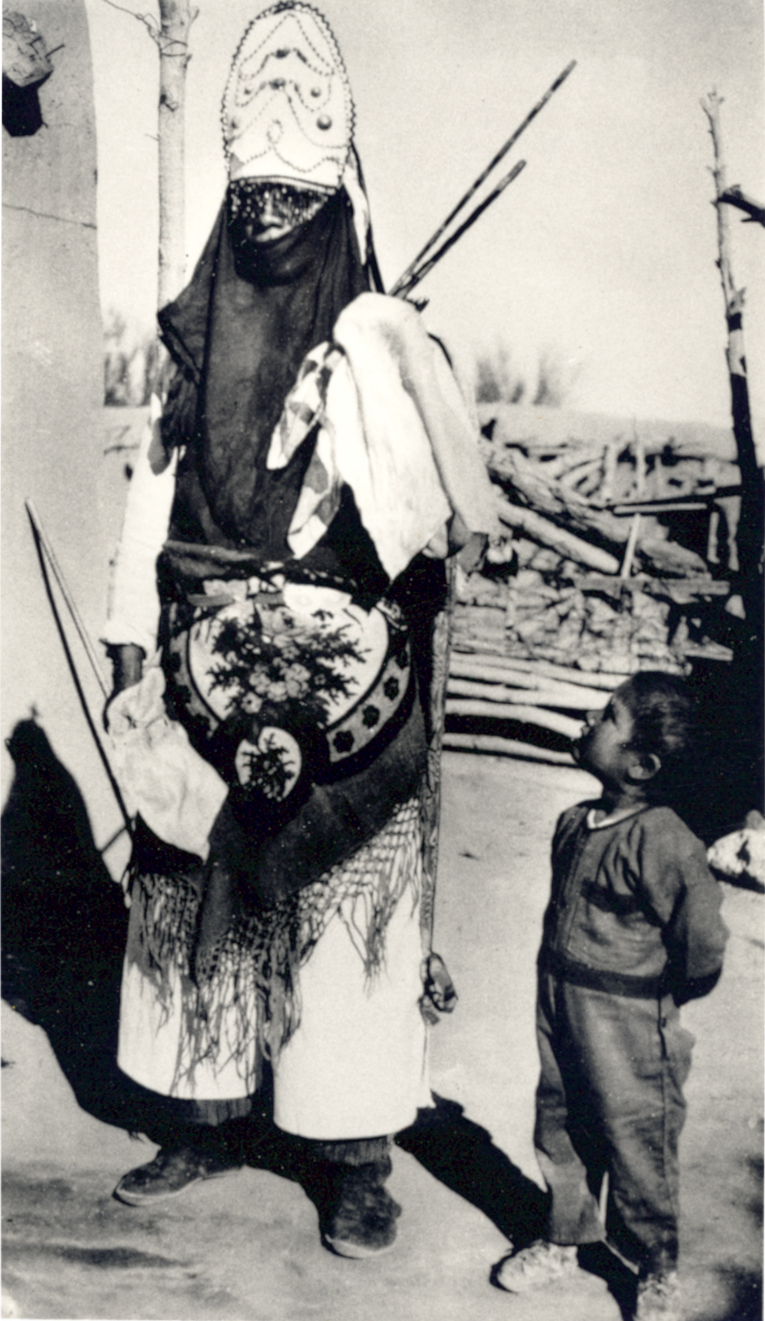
(401, 290)
(403, 280)
(47, 558)
(71, 606)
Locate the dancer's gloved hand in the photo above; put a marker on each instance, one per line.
(127, 669)
(440, 994)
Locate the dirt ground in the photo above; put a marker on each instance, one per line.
(246, 1248)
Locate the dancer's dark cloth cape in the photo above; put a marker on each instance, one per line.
(238, 334)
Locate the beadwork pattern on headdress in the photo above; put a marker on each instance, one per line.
(287, 110)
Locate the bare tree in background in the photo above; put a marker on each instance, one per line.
(496, 381)
(131, 362)
(750, 529)
(173, 42)
(739, 747)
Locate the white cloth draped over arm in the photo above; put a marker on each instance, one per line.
(161, 776)
(432, 440)
(393, 425)
(133, 608)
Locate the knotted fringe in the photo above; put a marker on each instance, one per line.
(247, 989)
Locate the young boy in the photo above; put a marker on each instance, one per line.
(632, 931)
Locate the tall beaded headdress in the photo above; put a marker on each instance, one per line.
(287, 109)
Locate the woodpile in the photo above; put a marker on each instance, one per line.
(580, 591)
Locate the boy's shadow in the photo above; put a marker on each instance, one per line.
(597, 1259)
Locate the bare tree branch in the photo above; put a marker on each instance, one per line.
(711, 107)
(734, 197)
(148, 21)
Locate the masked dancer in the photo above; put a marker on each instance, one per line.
(280, 562)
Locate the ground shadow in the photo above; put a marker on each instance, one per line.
(64, 925)
(745, 1294)
(599, 1260)
(64, 937)
(462, 1155)
(731, 715)
(454, 1149)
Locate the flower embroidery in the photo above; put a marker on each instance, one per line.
(269, 657)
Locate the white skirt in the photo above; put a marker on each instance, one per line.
(355, 1065)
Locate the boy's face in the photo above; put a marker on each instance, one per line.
(603, 747)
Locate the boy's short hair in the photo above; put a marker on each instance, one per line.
(665, 723)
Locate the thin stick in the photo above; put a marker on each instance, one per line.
(698, 501)
(566, 673)
(84, 636)
(427, 266)
(46, 557)
(404, 279)
(632, 541)
(505, 747)
(441, 637)
(525, 714)
(559, 696)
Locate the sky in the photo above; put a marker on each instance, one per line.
(601, 254)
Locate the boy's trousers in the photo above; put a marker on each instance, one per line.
(610, 1101)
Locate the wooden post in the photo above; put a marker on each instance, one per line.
(737, 749)
(172, 39)
(750, 528)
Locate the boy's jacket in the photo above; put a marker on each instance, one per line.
(635, 910)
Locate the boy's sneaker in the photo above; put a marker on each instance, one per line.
(658, 1298)
(532, 1267)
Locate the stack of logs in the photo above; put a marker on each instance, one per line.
(581, 591)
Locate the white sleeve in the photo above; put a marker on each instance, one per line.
(133, 603)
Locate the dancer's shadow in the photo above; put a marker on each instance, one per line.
(64, 925)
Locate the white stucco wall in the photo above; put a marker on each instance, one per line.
(52, 395)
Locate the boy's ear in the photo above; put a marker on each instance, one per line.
(644, 766)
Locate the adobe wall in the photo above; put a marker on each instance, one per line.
(52, 394)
